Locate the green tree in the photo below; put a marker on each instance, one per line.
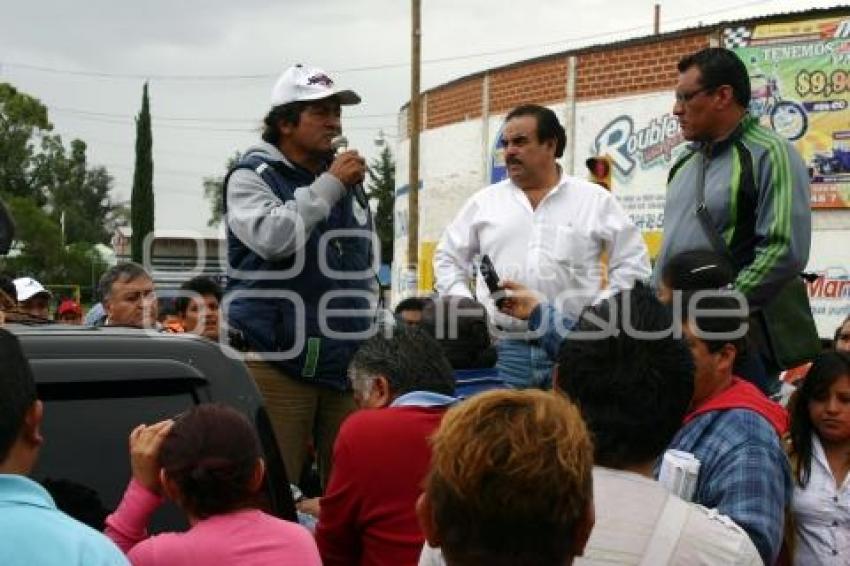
(42, 182)
(381, 188)
(40, 254)
(23, 119)
(141, 199)
(38, 236)
(214, 191)
(119, 215)
(76, 193)
(95, 202)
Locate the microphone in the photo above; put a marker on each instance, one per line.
(340, 143)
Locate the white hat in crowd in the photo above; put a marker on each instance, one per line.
(300, 83)
(27, 288)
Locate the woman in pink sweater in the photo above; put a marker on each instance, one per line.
(208, 462)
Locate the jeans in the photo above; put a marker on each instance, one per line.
(523, 364)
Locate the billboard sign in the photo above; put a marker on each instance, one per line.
(800, 80)
(642, 138)
(829, 294)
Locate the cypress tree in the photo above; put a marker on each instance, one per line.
(141, 200)
(382, 189)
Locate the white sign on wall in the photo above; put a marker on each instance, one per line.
(643, 139)
(830, 293)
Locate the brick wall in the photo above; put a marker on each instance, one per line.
(604, 72)
(540, 82)
(633, 69)
(424, 110)
(455, 102)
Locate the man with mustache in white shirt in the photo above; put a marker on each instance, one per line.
(544, 229)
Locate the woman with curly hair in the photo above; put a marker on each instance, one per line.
(208, 461)
(820, 458)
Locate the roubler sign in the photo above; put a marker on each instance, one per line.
(642, 138)
(628, 145)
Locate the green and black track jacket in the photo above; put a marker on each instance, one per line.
(757, 192)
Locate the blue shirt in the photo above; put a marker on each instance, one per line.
(34, 532)
(468, 382)
(96, 315)
(423, 399)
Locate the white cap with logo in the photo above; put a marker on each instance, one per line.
(300, 83)
(27, 288)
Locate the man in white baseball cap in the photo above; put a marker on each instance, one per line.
(300, 83)
(299, 243)
(33, 298)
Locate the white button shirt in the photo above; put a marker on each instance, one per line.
(554, 249)
(822, 515)
(629, 510)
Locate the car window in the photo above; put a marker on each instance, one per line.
(92, 404)
(86, 427)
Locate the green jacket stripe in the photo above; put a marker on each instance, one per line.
(779, 233)
(728, 234)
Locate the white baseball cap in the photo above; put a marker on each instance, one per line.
(27, 288)
(301, 83)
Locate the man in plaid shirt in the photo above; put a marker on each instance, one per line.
(733, 429)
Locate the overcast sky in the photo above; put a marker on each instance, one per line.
(211, 65)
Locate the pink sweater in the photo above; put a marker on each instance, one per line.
(248, 537)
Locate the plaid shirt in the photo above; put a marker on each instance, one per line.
(743, 473)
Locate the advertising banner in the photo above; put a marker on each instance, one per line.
(829, 294)
(800, 78)
(643, 140)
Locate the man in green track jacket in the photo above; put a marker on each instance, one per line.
(756, 188)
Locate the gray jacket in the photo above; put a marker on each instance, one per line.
(757, 193)
(266, 224)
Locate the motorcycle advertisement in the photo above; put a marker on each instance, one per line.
(800, 80)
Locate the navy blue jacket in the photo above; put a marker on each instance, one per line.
(285, 318)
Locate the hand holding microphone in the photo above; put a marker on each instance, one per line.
(348, 166)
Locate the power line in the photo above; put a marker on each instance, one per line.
(585, 37)
(381, 67)
(132, 76)
(158, 149)
(160, 170)
(127, 120)
(155, 118)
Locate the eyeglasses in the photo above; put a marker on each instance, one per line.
(686, 97)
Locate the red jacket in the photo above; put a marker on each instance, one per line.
(368, 513)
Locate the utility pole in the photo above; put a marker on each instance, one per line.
(656, 24)
(415, 126)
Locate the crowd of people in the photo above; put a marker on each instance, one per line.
(127, 298)
(574, 411)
